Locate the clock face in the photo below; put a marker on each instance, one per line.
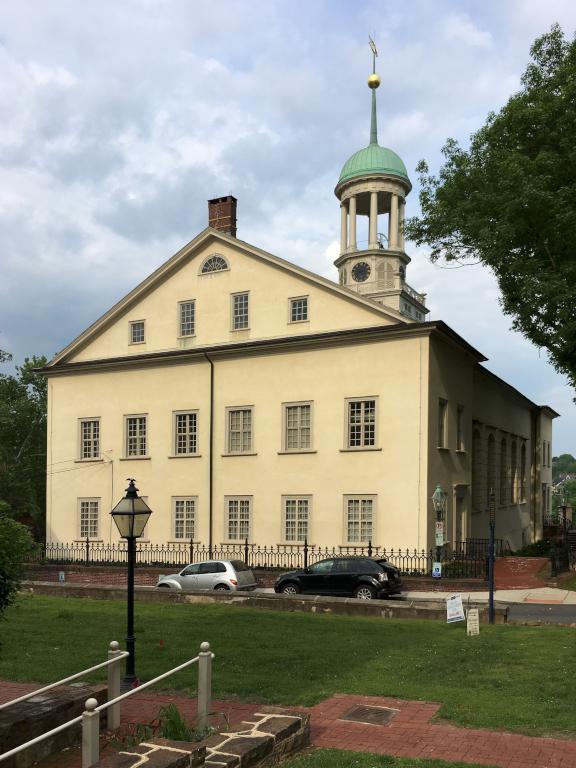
(361, 272)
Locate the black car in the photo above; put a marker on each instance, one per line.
(360, 577)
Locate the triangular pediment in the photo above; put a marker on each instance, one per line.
(271, 283)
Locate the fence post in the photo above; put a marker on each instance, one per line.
(87, 551)
(191, 560)
(370, 548)
(246, 551)
(204, 685)
(306, 552)
(90, 734)
(113, 712)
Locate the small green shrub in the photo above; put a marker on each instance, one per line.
(536, 549)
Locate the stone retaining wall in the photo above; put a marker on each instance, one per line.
(272, 735)
(347, 606)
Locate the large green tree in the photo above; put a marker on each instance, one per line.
(23, 443)
(509, 201)
(15, 544)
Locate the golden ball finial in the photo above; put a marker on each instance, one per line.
(374, 80)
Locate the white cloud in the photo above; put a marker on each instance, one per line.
(461, 28)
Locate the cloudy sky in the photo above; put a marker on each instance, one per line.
(119, 119)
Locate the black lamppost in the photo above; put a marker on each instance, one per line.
(492, 521)
(131, 515)
(439, 504)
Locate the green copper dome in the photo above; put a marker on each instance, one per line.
(371, 160)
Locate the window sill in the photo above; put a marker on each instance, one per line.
(442, 448)
(183, 541)
(240, 453)
(186, 456)
(360, 449)
(88, 461)
(299, 543)
(188, 336)
(297, 322)
(300, 450)
(461, 451)
(135, 458)
(136, 343)
(238, 330)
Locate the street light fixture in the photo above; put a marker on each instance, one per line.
(131, 515)
(439, 505)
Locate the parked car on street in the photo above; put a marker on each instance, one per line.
(360, 577)
(219, 575)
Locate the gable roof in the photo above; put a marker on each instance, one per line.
(184, 254)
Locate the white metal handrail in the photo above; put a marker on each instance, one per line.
(90, 718)
(113, 647)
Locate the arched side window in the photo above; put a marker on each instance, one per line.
(513, 473)
(491, 468)
(522, 493)
(503, 473)
(477, 496)
(214, 263)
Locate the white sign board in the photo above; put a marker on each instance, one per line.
(436, 570)
(454, 609)
(61, 576)
(472, 622)
(439, 533)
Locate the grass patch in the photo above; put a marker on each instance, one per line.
(509, 677)
(337, 758)
(568, 583)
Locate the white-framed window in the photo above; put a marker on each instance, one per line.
(240, 318)
(460, 444)
(238, 513)
(89, 438)
(361, 423)
(296, 517)
(297, 426)
(299, 309)
(89, 518)
(137, 332)
(186, 433)
(184, 517)
(442, 416)
(239, 427)
(187, 317)
(359, 518)
(214, 263)
(136, 431)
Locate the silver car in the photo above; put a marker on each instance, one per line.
(220, 575)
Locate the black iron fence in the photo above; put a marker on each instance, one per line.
(459, 562)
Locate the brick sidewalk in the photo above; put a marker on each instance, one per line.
(410, 732)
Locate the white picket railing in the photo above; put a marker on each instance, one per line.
(90, 718)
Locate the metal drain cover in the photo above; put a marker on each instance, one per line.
(370, 715)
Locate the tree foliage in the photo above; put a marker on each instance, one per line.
(15, 543)
(23, 442)
(510, 201)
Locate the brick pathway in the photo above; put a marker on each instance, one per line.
(519, 572)
(410, 732)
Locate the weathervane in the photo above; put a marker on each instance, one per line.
(374, 79)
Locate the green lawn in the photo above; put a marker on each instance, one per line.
(337, 758)
(509, 677)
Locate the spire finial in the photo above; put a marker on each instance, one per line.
(373, 83)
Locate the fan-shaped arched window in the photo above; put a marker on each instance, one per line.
(214, 263)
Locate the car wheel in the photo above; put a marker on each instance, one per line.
(162, 586)
(290, 589)
(221, 588)
(365, 592)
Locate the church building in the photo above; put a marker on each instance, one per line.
(251, 398)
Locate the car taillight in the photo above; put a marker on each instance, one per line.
(233, 581)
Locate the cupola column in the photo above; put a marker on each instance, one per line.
(401, 216)
(352, 211)
(393, 223)
(373, 237)
(343, 228)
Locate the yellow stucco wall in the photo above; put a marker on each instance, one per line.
(269, 286)
(394, 371)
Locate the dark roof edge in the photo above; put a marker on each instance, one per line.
(546, 408)
(370, 333)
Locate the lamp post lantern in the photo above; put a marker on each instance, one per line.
(439, 505)
(131, 515)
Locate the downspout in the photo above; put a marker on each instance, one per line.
(210, 458)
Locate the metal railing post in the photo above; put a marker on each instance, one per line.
(114, 675)
(306, 552)
(87, 559)
(246, 551)
(204, 684)
(90, 734)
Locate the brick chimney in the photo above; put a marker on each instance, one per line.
(222, 214)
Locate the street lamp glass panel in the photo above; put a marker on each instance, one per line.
(131, 515)
(438, 499)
